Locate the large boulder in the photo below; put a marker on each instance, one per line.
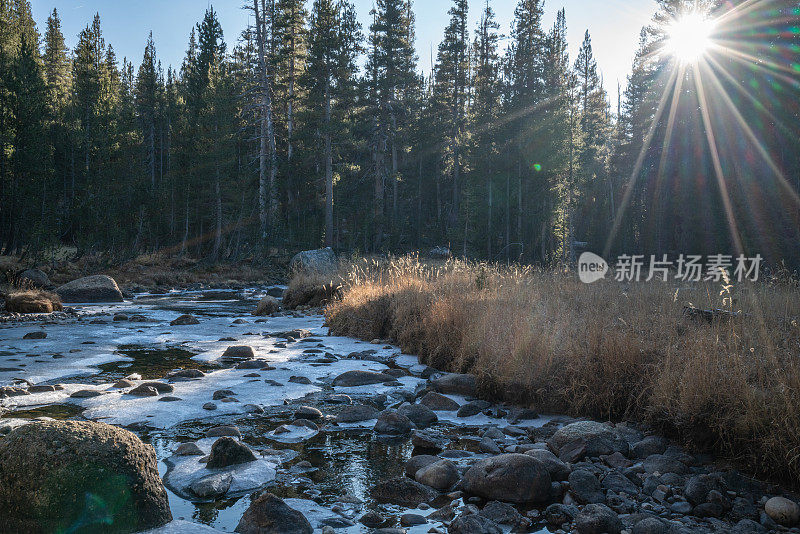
(558, 470)
(419, 461)
(321, 261)
(440, 475)
(598, 438)
(184, 320)
(33, 301)
(420, 415)
(516, 478)
(403, 491)
(783, 511)
(597, 519)
(237, 354)
(393, 423)
(360, 378)
(55, 475)
(439, 403)
(585, 487)
(97, 288)
(227, 451)
(268, 514)
(33, 278)
(472, 524)
(455, 384)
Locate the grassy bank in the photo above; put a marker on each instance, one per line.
(607, 350)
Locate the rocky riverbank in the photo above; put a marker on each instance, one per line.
(268, 424)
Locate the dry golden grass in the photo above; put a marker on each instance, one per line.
(32, 301)
(607, 350)
(311, 289)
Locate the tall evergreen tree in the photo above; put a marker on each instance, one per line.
(525, 82)
(330, 78)
(146, 95)
(393, 60)
(594, 140)
(451, 92)
(485, 115)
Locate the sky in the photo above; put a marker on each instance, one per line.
(613, 24)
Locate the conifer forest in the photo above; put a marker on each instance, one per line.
(307, 129)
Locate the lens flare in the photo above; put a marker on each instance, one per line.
(689, 36)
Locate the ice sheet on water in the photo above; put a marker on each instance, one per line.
(319, 515)
(184, 470)
(290, 433)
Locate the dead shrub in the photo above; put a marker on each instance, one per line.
(267, 306)
(33, 301)
(311, 289)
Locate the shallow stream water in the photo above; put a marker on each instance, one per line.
(93, 351)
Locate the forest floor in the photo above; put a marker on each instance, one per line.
(609, 350)
(153, 272)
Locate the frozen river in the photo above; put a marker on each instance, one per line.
(325, 472)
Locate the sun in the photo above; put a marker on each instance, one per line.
(689, 36)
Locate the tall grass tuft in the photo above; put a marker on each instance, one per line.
(607, 350)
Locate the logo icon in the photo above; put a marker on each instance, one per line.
(591, 268)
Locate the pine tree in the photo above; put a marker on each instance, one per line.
(58, 74)
(558, 127)
(267, 188)
(31, 166)
(146, 95)
(485, 114)
(88, 71)
(291, 36)
(592, 154)
(56, 63)
(19, 42)
(206, 87)
(394, 61)
(334, 45)
(451, 93)
(593, 107)
(525, 88)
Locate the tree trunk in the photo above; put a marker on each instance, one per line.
(328, 169)
(185, 241)
(379, 147)
(267, 195)
(395, 174)
(519, 203)
(489, 221)
(290, 130)
(152, 155)
(508, 215)
(218, 229)
(419, 204)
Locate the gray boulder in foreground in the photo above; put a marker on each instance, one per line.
(56, 474)
(321, 260)
(97, 288)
